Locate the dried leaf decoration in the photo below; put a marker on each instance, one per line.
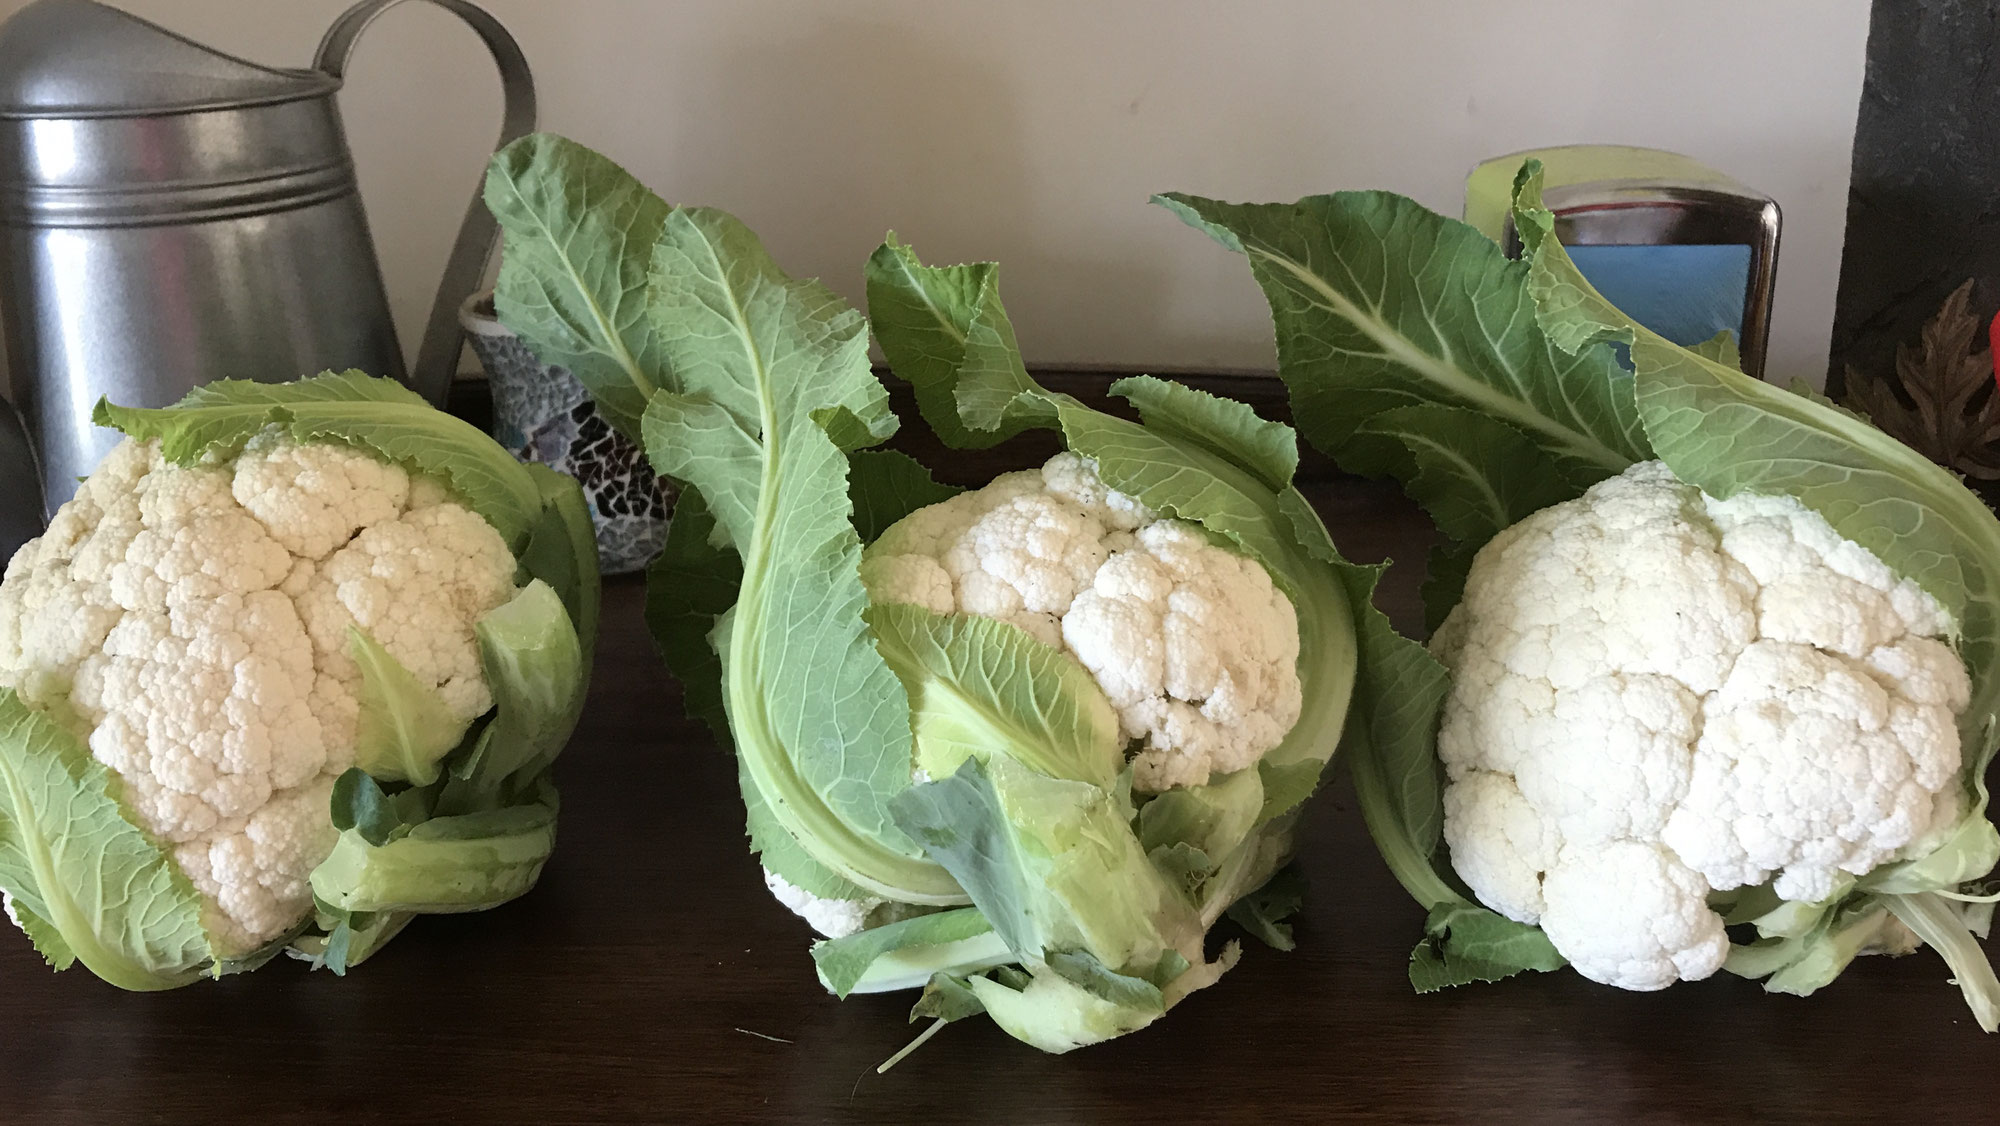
(1941, 401)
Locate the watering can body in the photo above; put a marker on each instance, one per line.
(170, 215)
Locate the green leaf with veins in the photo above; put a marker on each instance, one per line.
(443, 865)
(380, 415)
(562, 552)
(980, 687)
(1213, 818)
(946, 998)
(1474, 474)
(534, 663)
(690, 585)
(577, 235)
(776, 388)
(1445, 569)
(1050, 863)
(84, 881)
(1057, 1015)
(1093, 977)
(945, 331)
(403, 728)
(1381, 304)
(909, 953)
(781, 854)
(1720, 348)
(887, 485)
(1230, 430)
(1468, 943)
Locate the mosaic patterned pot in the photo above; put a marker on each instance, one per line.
(543, 414)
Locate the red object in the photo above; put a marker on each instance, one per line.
(1993, 339)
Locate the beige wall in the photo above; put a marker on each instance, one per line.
(1033, 132)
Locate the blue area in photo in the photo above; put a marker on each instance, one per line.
(1685, 293)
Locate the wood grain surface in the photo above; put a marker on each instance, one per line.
(650, 978)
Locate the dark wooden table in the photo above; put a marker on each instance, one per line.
(651, 979)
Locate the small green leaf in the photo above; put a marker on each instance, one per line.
(562, 552)
(887, 485)
(403, 728)
(1183, 866)
(946, 998)
(1079, 968)
(944, 330)
(1468, 943)
(1214, 818)
(534, 665)
(1263, 912)
(1051, 863)
(1720, 348)
(980, 687)
(360, 804)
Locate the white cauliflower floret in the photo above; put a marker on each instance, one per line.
(1502, 845)
(414, 583)
(1628, 913)
(312, 499)
(832, 918)
(1657, 694)
(192, 624)
(1193, 644)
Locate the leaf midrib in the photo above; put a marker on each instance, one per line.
(748, 624)
(61, 911)
(617, 350)
(1399, 349)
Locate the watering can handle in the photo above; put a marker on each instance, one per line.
(437, 356)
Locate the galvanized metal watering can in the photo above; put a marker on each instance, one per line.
(170, 215)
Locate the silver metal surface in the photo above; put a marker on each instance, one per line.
(1667, 212)
(170, 215)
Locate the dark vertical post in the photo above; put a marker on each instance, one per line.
(1923, 208)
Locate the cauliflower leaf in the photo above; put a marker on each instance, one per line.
(580, 233)
(820, 723)
(219, 418)
(1381, 304)
(82, 879)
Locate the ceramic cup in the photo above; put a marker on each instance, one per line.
(543, 414)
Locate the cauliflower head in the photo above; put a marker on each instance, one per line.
(1192, 643)
(192, 624)
(1657, 694)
